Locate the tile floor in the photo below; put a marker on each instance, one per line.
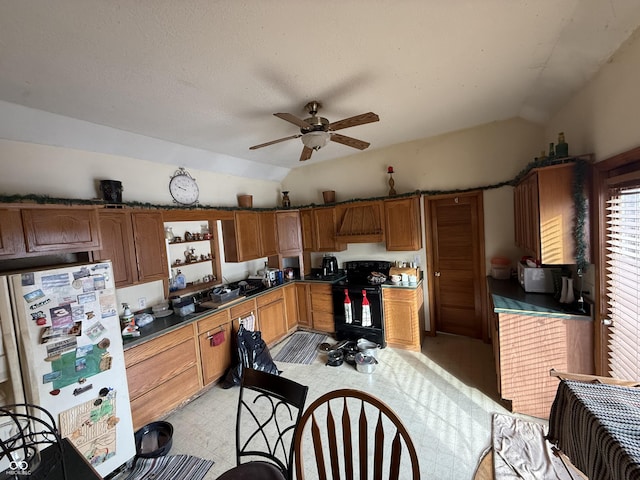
(445, 396)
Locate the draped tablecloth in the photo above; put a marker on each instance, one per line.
(598, 427)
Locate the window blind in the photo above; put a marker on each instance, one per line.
(623, 280)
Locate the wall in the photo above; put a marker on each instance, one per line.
(476, 157)
(70, 173)
(603, 117)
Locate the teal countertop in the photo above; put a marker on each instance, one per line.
(509, 297)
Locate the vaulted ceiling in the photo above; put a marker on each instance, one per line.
(208, 75)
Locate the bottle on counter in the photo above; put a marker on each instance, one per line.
(181, 281)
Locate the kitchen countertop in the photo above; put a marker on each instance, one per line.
(163, 325)
(509, 297)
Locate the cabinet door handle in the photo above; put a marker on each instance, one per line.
(436, 274)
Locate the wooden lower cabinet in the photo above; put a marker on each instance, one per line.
(304, 304)
(321, 307)
(215, 357)
(530, 346)
(272, 320)
(162, 374)
(291, 306)
(404, 317)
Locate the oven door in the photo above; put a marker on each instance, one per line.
(355, 330)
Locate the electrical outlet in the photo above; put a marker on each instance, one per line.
(142, 302)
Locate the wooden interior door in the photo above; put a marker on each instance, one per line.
(456, 256)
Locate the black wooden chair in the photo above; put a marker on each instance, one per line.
(269, 409)
(352, 434)
(25, 431)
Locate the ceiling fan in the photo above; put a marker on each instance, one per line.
(317, 131)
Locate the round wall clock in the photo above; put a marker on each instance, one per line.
(183, 187)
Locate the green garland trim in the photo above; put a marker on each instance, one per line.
(578, 197)
(580, 202)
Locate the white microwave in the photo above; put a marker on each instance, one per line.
(536, 280)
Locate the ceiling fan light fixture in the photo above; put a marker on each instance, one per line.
(315, 140)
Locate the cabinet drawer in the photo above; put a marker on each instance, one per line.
(269, 297)
(153, 347)
(145, 375)
(243, 309)
(213, 321)
(399, 295)
(156, 403)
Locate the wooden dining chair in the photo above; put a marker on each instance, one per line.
(354, 435)
(269, 409)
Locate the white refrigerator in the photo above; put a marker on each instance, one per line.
(62, 349)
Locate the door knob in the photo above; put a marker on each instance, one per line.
(607, 322)
(437, 274)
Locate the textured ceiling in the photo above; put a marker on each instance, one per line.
(209, 74)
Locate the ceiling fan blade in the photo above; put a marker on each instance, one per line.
(306, 153)
(354, 121)
(275, 141)
(349, 141)
(289, 117)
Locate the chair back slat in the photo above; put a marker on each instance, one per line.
(379, 453)
(396, 454)
(318, 450)
(363, 435)
(347, 444)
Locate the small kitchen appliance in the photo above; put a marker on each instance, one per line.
(536, 279)
(329, 265)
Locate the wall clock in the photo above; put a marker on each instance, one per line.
(183, 187)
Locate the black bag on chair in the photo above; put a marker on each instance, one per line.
(252, 353)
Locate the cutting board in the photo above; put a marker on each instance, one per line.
(401, 270)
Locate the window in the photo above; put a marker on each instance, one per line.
(622, 272)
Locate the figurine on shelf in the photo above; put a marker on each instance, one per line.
(189, 255)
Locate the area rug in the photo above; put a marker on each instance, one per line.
(301, 347)
(170, 467)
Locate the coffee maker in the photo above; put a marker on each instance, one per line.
(329, 265)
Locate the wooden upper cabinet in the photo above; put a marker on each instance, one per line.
(268, 234)
(117, 246)
(326, 227)
(150, 248)
(61, 229)
(11, 236)
(241, 237)
(289, 233)
(544, 210)
(403, 230)
(307, 230)
(319, 227)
